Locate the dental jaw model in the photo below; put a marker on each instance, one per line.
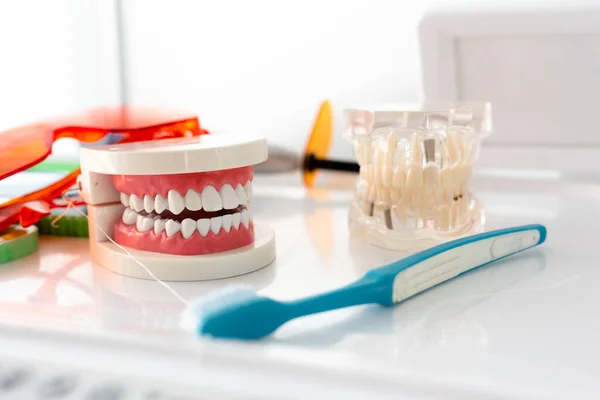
(415, 162)
(181, 207)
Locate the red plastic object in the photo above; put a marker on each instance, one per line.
(24, 147)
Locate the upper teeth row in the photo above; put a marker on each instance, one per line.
(390, 151)
(209, 200)
(416, 176)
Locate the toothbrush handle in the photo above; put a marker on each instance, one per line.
(416, 273)
(426, 269)
(364, 291)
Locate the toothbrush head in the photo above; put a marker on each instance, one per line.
(237, 312)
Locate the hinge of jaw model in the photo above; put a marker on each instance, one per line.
(182, 207)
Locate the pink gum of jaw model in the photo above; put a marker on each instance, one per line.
(186, 214)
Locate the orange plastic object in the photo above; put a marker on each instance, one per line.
(319, 141)
(32, 207)
(24, 147)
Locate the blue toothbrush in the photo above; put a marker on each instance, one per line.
(239, 313)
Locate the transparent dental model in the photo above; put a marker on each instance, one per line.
(414, 190)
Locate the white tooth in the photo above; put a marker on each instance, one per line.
(211, 201)
(245, 217)
(367, 153)
(432, 181)
(395, 194)
(160, 203)
(176, 203)
(464, 209)
(399, 178)
(400, 158)
(228, 197)
(414, 178)
(358, 153)
(139, 220)
(148, 204)
(172, 227)
(249, 193)
(124, 199)
(215, 224)
(144, 224)
(363, 172)
(453, 147)
(391, 147)
(444, 217)
(447, 177)
(235, 220)
(458, 212)
(387, 175)
(372, 194)
(378, 158)
(227, 219)
(377, 180)
(453, 215)
(203, 226)
(378, 193)
(415, 150)
(241, 194)
(136, 203)
(188, 226)
(386, 195)
(159, 225)
(129, 216)
(401, 212)
(364, 192)
(463, 172)
(192, 200)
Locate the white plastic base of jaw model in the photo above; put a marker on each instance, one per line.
(167, 267)
(155, 171)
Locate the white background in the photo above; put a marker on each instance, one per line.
(56, 57)
(266, 65)
(262, 66)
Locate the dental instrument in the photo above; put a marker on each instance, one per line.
(315, 157)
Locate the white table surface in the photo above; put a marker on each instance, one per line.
(525, 327)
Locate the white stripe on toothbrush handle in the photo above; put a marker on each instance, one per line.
(451, 263)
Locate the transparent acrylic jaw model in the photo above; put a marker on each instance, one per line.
(414, 190)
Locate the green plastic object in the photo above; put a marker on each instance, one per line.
(69, 225)
(18, 242)
(55, 166)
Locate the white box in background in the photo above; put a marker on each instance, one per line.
(538, 62)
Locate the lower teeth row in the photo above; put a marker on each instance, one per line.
(188, 226)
